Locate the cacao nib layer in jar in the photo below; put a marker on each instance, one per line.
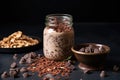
(58, 42)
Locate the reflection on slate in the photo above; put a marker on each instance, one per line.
(104, 33)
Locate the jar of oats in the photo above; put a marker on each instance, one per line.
(58, 36)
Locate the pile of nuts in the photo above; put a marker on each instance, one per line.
(17, 40)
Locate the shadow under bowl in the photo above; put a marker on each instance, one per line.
(90, 61)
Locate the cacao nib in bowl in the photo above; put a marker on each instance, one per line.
(91, 56)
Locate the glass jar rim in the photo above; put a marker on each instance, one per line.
(68, 15)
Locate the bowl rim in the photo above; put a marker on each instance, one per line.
(84, 53)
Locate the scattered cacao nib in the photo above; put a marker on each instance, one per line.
(15, 56)
(17, 69)
(22, 61)
(32, 55)
(26, 56)
(4, 75)
(103, 74)
(43, 66)
(48, 77)
(25, 75)
(13, 65)
(13, 73)
(115, 68)
(29, 60)
(14, 69)
(23, 69)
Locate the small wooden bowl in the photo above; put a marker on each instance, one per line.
(90, 61)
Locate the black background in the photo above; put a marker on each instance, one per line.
(93, 19)
(34, 11)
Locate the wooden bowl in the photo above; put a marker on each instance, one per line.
(90, 60)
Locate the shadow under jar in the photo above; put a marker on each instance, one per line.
(58, 36)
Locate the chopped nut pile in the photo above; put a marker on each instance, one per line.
(43, 66)
(17, 40)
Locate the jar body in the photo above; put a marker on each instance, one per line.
(58, 40)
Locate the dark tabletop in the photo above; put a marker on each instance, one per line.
(104, 33)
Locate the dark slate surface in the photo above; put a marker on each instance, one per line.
(104, 33)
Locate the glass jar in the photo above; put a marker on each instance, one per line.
(58, 36)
